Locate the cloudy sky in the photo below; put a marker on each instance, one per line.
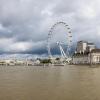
(24, 24)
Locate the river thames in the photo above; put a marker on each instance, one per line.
(49, 83)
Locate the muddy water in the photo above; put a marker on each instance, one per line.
(49, 83)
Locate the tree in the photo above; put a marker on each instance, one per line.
(45, 61)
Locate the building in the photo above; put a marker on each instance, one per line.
(95, 56)
(90, 46)
(81, 46)
(13, 62)
(86, 53)
(81, 58)
(84, 46)
(2, 62)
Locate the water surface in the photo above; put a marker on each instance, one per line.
(49, 83)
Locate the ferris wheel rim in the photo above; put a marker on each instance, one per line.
(51, 33)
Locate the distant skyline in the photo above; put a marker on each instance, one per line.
(24, 24)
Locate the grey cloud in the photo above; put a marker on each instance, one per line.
(30, 20)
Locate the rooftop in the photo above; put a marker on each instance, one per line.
(90, 43)
(81, 54)
(95, 51)
(82, 41)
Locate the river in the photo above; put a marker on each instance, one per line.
(49, 83)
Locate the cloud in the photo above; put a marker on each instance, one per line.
(24, 24)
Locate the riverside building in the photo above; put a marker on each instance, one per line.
(86, 53)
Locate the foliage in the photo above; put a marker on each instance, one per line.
(57, 58)
(45, 61)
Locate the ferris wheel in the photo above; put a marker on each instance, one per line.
(52, 40)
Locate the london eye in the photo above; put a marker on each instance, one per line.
(59, 40)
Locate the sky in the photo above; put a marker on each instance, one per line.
(24, 24)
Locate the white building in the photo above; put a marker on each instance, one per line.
(86, 54)
(95, 56)
(90, 46)
(84, 46)
(13, 62)
(87, 58)
(80, 58)
(81, 46)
